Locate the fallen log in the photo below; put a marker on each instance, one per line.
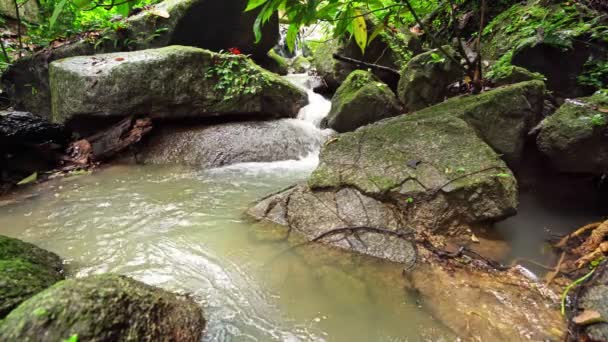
(106, 144)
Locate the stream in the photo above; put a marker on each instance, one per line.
(184, 230)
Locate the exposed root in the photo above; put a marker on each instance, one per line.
(564, 241)
(596, 254)
(594, 241)
(551, 275)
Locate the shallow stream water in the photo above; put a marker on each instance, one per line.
(184, 230)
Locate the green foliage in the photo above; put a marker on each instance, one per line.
(598, 120)
(436, 58)
(347, 17)
(557, 24)
(235, 76)
(595, 74)
(73, 338)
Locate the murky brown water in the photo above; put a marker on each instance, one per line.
(184, 230)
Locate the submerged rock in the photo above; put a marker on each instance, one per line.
(170, 82)
(426, 77)
(362, 99)
(574, 138)
(105, 308)
(487, 305)
(403, 174)
(24, 271)
(230, 143)
(502, 117)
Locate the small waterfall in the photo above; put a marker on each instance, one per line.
(311, 136)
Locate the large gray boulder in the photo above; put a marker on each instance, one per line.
(25, 270)
(425, 79)
(362, 99)
(105, 308)
(28, 10)
(224, 144)
(169, 82)
(208, 24)
(428, 174)
(502, 117)
(574, 138)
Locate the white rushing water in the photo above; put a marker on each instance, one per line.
(308, 121)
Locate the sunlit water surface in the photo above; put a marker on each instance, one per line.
(185, 231)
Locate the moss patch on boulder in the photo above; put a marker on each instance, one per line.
(502, 117)
(170, 82)
(362, 99)
(425, 79)
(104, 308)
(25, 270)
(574, 138)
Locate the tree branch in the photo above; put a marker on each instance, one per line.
(364, 64)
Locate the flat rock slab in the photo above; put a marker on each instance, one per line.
(210, 146)
(170, 82)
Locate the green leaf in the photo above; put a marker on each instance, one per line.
(73, 338)
(292, 34)
(360, 30)
(124, 8)
(29, 179)
(376, 32)
(253, 4)
(56, 12)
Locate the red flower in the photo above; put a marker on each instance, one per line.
(234, 51)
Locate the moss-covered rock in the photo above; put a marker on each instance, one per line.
(574, 138)
(28, 11)
(564, 41)
(514, 74)
(170, 82)
(502, 117)
(398, 174)
(390, 49)
(208, 24)
(362, 99)
(426, 77)
(104, 308)
(277, 63)
(24, 271)
(300, 64)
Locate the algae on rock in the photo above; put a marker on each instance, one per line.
(105, 308)
(574, 138)
(425, 79)
(25, 270)
(362, 99)
(170, 82)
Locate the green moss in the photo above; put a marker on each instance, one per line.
(16, 249)
(282, 65)
(520, 26)
(104, 308)
(20, 279)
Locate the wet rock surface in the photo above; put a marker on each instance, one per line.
(171, 82)
(432, 174)
(362, 99)
(486, 305)
(213, 25)
(425, 79)
(502, 117)
(230, 143)
(105, 308)
(19, 128)
(574, 138)
(25, 270)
